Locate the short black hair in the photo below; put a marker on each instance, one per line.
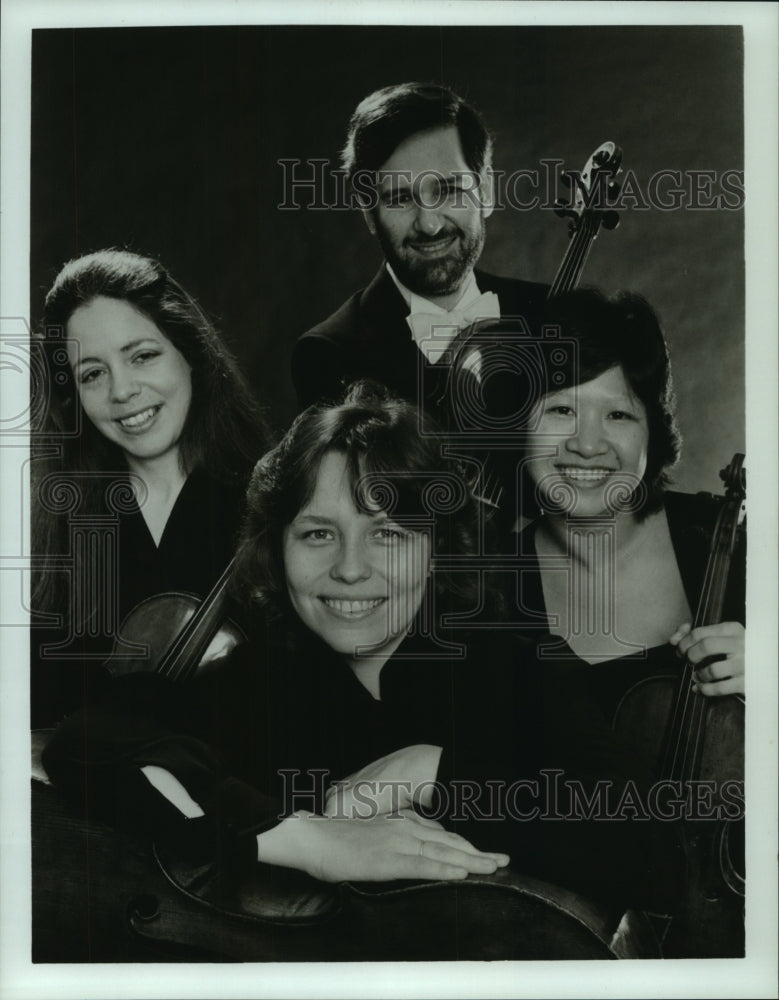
(575, 338)
(624, 331)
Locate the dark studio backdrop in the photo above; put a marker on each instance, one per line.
(167, 141)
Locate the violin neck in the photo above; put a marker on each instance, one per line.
(687, 729)
(181, 660)
(712, 599)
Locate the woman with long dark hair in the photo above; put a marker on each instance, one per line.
(146, 437)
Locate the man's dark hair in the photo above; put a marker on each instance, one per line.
(386, 117)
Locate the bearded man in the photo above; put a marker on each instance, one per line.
(418, 158)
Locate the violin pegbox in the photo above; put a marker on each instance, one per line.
(594, 189)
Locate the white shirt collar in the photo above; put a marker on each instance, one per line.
(418, 304)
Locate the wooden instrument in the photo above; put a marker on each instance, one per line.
(127, 903)
(694, 740)
(181, 635)
(497, 349)
(589, 210)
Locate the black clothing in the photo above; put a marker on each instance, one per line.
(369, 338)
(265, 735)
(690, 520)
(197, 543)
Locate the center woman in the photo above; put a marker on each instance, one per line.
(355, 673)
(336, 556)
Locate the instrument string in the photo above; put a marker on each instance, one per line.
(181, 659)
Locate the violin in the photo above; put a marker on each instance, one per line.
(492, 405)
(699, 742)
(177, 634)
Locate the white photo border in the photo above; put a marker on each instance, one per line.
(754, 976)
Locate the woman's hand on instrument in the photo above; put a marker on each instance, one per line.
(386, 847)
(400, 780)
(716, 652)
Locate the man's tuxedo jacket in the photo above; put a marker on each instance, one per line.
(368, 337)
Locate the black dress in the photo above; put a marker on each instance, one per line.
(267, 733)
(197, 543)
(690, 521)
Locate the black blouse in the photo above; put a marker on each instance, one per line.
(267, 733)
(197, 543)
(690, 521)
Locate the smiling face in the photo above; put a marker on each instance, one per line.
(133, 384)
(356, 579)
(590, 439)
(429, 220)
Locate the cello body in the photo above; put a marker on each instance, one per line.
(128, 902)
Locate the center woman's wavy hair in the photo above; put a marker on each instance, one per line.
(391, 466)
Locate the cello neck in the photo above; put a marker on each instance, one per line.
(575, 257)
(593, 193)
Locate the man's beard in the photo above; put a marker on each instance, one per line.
(441, 275)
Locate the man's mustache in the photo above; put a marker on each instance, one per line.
(423, 239)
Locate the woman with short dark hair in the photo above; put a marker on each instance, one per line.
(613, 561)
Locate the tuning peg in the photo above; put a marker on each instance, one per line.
(610, 220)
(565, 178)
(562, 209)
(612, 190)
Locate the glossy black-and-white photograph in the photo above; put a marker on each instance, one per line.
(382, 550)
